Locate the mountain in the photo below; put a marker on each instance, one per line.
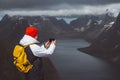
(107, 45)
(48, 26)
(88, 27)
(91, 26)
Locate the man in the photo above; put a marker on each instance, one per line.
(35, 52)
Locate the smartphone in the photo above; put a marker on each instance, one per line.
(51, 39)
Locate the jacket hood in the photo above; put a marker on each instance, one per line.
(28, 40)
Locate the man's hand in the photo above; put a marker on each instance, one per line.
(47, 44)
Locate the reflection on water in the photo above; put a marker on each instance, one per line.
(74, 65)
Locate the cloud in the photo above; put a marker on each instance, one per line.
(66, 10)
(9, 4)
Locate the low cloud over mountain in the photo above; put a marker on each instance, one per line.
(42, 4)
(58, 7)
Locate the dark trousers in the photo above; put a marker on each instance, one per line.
(37, 72)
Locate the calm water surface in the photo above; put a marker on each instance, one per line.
(75, 65)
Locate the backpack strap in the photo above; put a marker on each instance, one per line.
(28, 45)
(29, 53)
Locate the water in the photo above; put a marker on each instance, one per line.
(75, 65)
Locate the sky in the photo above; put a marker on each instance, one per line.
(58, 7)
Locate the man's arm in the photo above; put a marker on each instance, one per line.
(42, 51)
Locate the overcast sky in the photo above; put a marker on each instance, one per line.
(58, 7)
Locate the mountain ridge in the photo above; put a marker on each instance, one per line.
(107, 44)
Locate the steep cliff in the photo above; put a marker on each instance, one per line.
(107, 45)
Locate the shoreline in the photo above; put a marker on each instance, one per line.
(111, 58)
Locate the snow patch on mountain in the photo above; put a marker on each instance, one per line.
(67, 20)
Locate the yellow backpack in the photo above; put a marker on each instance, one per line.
(20, 59)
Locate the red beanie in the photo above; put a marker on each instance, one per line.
(31, 31)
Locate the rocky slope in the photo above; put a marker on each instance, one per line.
(91, 26)
(107, 45)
